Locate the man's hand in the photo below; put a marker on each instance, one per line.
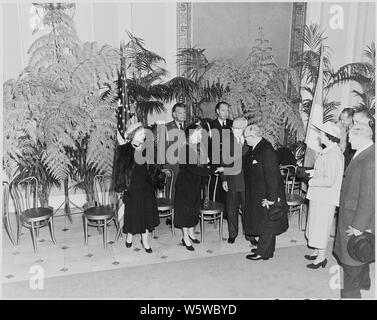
(352, 231)
(219, 170)
(225, 186)
(267, 204)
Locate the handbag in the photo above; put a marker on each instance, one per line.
(276, 211)
(158, 177)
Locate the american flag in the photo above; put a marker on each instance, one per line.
(123, 105)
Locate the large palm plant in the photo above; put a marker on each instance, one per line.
(144, 79)
(363, 73)
(313, 38)
(194, 86)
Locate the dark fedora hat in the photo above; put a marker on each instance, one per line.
(361, 248)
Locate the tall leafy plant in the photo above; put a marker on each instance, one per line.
(363, 73)
(256, 88)
(59, 97)
(195, 85)
(313, 38)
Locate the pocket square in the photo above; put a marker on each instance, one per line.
(255, 161)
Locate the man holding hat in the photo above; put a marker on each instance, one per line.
(264, 189)
(356, 213)
(233, 181)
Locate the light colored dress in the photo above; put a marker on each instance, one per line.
(324, 193)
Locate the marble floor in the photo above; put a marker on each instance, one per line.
(71, 258)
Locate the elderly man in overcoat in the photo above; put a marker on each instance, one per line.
(356, 210)
(263, 187)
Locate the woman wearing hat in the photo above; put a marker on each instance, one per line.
(192, 167)
(140, 215)
(323, 193)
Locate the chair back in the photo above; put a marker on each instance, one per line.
(5, 198)
(213, 198)
(103, 195)
(289, 174)
(25, 194)
(168, 185)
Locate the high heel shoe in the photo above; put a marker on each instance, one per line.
(194, 240)
(309, 257)
(316, 266)
(128, 244)
(149, 250)
(190, 248)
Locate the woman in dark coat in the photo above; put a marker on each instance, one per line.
(263, 187)
(140, 215)
(187, 200)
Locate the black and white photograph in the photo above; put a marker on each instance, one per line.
(170, 150)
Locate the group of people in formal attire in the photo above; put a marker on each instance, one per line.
(343, 177)
(251, 185)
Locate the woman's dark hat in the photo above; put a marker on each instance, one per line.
(361, 248)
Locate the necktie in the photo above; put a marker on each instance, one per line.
(223, 124)
(181, 126)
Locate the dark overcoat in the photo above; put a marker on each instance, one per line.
(356, 206)
(262, 181)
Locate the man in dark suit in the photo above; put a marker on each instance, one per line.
(232, 178)
(263, 187)
(218, 128)
(172, 127)
(356, 209)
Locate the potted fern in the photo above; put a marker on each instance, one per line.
(58, 100)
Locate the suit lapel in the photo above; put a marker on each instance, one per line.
(354, 162)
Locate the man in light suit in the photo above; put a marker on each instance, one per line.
(356, 210)
(178, 123)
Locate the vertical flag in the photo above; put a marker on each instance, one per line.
(315, 118)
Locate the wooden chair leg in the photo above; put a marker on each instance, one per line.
(33, 237)
(85, 222)
(221, 226)
(105, 233)
(37, 231)
(51, 227)
(202, 227)
(172, 223)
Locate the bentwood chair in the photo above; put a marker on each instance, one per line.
(165, 205)
(29, 213)
(294, 201)
(6, 220)
(211, 210)
(104, 210)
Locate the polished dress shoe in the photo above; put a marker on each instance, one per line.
(316, 266)
(194, 240)
(128, 244)
(255, 257)
(309, 257)
(149, 250)
(254, 242)
(189, 248)
(231, 240)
